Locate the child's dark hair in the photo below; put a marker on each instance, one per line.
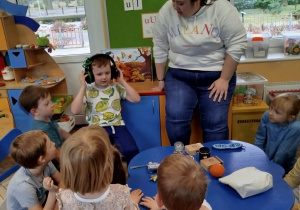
(119, 176)
(28, 147)
(31, 95)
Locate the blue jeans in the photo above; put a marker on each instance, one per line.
(123, 140)
(184, 91)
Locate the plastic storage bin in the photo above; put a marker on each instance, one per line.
(245, 121)
(272, 94)
(61, 102)
(291, 42)
(67, 125)
(249, 89)
(257, 45)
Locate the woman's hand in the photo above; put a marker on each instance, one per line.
(82, 77)
(149, 203)
(160, 87)
(219, 89)
(48, 184)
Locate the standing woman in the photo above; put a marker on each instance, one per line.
(203, 41)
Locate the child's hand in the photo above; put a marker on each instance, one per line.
(120, 78)
(149, 203)
(48, 184)
(82, 77)
(136, 195)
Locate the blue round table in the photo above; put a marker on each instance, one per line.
(221, 196)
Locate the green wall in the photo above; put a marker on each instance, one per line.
(125, 27)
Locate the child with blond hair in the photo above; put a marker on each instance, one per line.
(87, 170)
(181, 184)
(279, 131)
(28, 188)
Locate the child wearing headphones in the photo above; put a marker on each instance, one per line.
(102, 101)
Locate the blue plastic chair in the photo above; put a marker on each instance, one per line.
(5, 143)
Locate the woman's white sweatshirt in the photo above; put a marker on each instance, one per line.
(201, 41)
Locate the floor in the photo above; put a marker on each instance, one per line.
(3, 188)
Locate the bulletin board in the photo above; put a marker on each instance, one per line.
(125, 27)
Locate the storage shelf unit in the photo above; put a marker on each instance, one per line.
(25, 63)
(245, 121)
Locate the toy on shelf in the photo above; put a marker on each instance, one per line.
(8, 73)
(43, 41)
(293, 47)
(291, 42)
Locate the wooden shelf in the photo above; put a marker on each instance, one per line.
(21, 85)
(30, 49)
(37, 64)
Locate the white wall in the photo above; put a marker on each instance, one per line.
(71, 67)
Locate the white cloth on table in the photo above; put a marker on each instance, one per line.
(249, 181)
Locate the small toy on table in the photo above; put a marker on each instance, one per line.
(151, 166)
(153, 177)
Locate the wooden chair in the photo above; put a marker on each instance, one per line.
(5, 143)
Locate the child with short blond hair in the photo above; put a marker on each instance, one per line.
(279, 131)
(181, 184)
(34, 151)
(36, 100)
(87, 171)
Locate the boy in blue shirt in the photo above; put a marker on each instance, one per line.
(27, 189)
(37, 101)
(279, 131)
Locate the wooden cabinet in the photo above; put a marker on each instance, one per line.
(4, 105)
(6, 119)
(245, 121)
(8, 36)
(196, 135)
(143, 121)
(273, 70)
(23, 120)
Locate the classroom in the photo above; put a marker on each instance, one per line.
(145, 58)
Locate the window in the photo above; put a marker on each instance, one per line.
(273, 16)
(66, 24)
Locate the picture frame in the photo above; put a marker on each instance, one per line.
(135, 63)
